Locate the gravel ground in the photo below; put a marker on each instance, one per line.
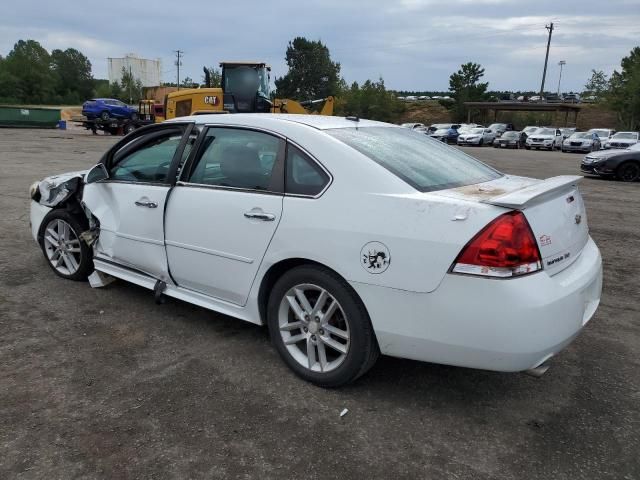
(104, 383)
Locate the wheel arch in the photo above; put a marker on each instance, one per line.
(278, 269)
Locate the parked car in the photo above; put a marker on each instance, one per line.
(581, 142)
(418, 127)
(500, 128)
(477, 136)
(554, 98)
(536, 98)
(571, 98)
(245, 215)
(604, 134)
(567, 132)
(446, 135)
(508, 140)
(106, 108)
(622, 140)
(441, 126)
(621, 164)
(547, 138)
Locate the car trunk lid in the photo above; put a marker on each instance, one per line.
(554, 209)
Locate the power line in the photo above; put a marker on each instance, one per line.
(546, 58)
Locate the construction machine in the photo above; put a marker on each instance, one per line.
(245, 89)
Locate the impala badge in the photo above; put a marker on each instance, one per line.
(578, 219)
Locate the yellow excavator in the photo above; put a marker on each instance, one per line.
(245, 89)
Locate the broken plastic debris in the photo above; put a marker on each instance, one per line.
(344, 412)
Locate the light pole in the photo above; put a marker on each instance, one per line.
(562, 63)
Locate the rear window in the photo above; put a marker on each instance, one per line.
(423, 163)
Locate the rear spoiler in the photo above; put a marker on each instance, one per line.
(529, 195)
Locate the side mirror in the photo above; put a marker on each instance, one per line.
(96, 174)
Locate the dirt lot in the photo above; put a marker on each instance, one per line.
(104, 383)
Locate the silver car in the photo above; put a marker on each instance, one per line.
(581, 142)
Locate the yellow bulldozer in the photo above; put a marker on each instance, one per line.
(245, 89)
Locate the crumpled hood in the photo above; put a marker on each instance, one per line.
(56, 188)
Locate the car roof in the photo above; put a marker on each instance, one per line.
(319, 122)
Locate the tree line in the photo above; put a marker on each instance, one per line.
(29, 74)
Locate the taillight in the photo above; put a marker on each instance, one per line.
(504, 248)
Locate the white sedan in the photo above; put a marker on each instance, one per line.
(478, 136)
(347, 238)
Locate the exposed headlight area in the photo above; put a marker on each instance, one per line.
(34, 192)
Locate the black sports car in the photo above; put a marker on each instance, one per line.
(621, 164)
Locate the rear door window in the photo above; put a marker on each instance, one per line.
(239, 158)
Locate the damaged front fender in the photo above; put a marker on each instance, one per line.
(58, 189)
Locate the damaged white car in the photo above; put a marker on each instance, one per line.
(347, 238)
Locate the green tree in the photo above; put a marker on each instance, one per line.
(72, 73)
(131, 87)
(624, 94)
(215, 77)
(465, 86)
(312, 74)
(188, 83)
(597, 85)
(26, 71)
(371, 101)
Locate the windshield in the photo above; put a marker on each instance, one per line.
(628, 135)
(247, 81)
(423, 163)
(495, 126)
(600, 133)
(581, 135)
(508, 135)
(530, 129)
(476, 130)
(546, 131)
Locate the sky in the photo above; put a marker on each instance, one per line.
(412, 44)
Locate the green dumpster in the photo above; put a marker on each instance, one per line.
(30, 117)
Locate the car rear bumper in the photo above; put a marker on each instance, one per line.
(502, 325)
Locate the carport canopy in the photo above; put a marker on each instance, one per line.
(485, 107)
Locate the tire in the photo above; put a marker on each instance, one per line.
(481, 142)
(527, 147)
(134, 116)
(351, 329)
(104, 116)
(128, 128)
(628, 172)
(75, 260)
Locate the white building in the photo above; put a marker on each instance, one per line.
(149, 72)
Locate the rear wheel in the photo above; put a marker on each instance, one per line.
(68, 256)
(128, 128)
(628, 172)
(320, 327)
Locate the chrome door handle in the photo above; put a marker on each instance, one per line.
(146, 203)
(267, 217)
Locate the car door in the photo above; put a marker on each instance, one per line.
(130, 204)
(224, 212)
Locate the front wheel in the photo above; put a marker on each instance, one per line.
(320, 327)
(67, 254)
(104, 116)
(628, 172)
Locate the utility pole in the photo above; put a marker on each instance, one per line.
(130, 82)
(546, 59)
(562, 63)
(178, 63)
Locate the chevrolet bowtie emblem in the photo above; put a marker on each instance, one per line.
(578, 219)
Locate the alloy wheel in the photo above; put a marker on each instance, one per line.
(62, 247)
(314, 327)
(629, 172)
